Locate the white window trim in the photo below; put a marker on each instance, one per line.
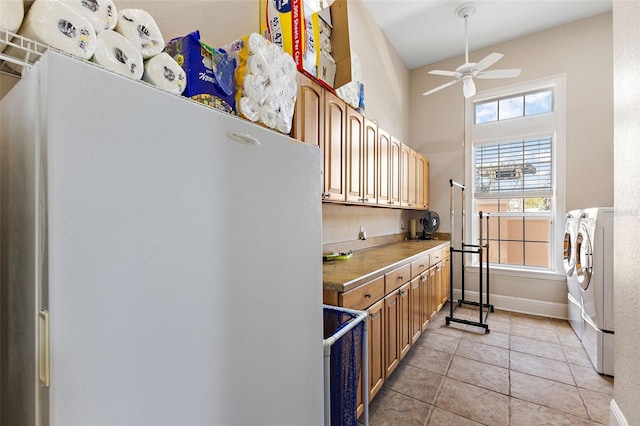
(531, 128)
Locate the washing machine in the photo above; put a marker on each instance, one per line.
(594, 271)
(574, 295)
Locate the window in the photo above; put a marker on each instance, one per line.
(515, 141)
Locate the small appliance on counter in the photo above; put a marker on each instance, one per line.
(430, 222)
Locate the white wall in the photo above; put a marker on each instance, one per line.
(626, 26)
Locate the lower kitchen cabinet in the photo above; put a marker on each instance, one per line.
(401, 303)
(415, 309)
(392, 335)
(376, 353)
(445, 280)
(404, 328)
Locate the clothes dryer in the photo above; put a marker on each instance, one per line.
(574, 297)
(594, 271)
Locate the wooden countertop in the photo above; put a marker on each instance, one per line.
(369, 263)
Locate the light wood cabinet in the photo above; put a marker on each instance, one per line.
(445, 280)
(415, 310)
(361, 159)
(388, 170)
(363, 163)
(334, 148)
(308, 116)
(392, 336)
(401, 303)
(404, 328)
(376, 345)
(422, 182)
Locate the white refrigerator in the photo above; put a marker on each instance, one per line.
(161, 261)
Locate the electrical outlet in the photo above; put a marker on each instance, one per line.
(402, 224)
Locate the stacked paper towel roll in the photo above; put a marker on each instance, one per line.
(57, 24)
(141, 29)
(266, 82)
(11, 15)
(102, 14)
(116, 53)
(164, 72)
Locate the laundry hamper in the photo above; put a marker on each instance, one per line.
(345, 355)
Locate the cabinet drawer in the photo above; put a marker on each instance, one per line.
(363, 296)
(397, 277)
(446, 252)
(436, 256)
(419, 265)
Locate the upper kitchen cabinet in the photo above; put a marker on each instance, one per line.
(334, 148)
(308, 117)
(361, 159)
(388, 169)
(408, 164)
(422, 182)
(363, 163)
(414, 179)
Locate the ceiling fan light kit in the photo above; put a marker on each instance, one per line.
(467, 71)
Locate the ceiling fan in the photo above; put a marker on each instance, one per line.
(467, 71)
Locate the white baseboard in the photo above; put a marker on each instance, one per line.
(616, 418)
(518, 304)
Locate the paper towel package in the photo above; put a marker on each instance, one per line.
(55, 23)
(210, 72)
(141, 29)
(164, 72)
(116, 53)
(11, 15)
(300, 28)
(102, 14)
(266, 81)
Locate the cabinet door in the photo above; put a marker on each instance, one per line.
(445, 280)
(355, 132)
(425, 196)
(408, 161)
(334, 149)
(369, 163)
(433, 306)
(384, 147)
(415, 312)
(404, 330)
(308, 117)
(376, 354)
(392, 323)
(425, 300)
(438, 286)
(394, 172)
(422, 182)
(376, 345)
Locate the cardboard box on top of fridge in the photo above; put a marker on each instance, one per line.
(294, 25)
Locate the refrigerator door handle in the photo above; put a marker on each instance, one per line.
(43, 347)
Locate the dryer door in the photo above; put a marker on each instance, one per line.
(568, 256)
(584, 257)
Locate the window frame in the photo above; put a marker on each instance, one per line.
(551, 124)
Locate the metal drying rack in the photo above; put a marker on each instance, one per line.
(482, 250)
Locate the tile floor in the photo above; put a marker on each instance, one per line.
(527, 371)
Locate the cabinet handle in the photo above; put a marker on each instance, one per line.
(401, 293)
(366, 200)
(367, 295)
(400, 278)
(421, 266)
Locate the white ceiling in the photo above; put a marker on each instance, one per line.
(428, 31)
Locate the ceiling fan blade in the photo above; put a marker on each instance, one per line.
(452, 82)
(468, 88)
(487, 61)
(446, 73)
(504, 73)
